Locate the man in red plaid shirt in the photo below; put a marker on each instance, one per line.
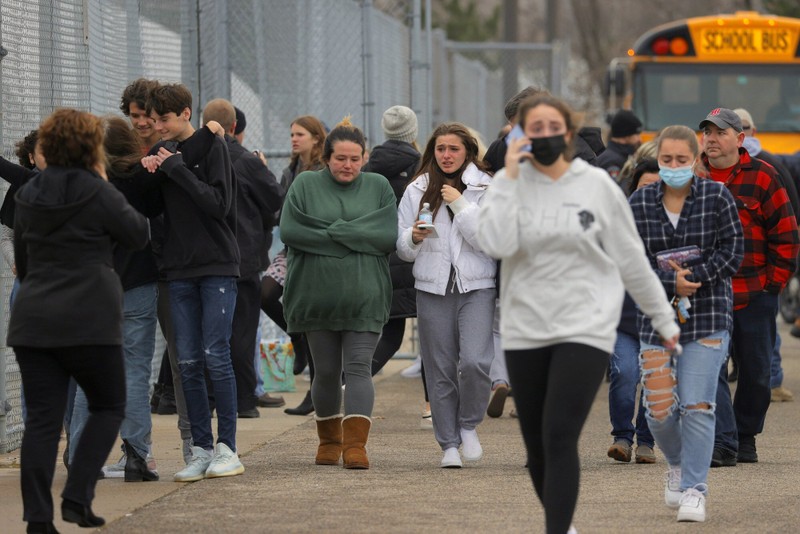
(770, 252)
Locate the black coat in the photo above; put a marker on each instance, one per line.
(67, 222)
(199, 214)
(614, 158)
(258, 198)
(495, 155)
(397, 161)
(17, 176)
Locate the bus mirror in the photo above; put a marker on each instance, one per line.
(615, 81)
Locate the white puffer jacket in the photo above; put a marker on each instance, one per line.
(457, 243)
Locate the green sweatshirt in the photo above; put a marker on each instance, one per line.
(338, 237)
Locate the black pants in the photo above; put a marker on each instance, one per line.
(391, 338)
(100, 372)
(243, 339)
(554, 388)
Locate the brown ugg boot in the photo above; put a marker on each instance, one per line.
(355, 431)
(329, 430)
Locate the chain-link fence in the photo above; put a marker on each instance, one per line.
(274, 59)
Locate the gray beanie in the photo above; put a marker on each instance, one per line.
(400, 123)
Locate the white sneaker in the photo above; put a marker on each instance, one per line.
(471, 446)
(672, 488)
(693, 505)
(196, 468)
(572, 530)
(414, 370)
(115, 470)
(451, 458)
(225, 463)
(427, 418)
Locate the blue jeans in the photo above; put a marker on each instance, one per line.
(775, 367)
(202, 316)
(624, 366)
(138, 346)
(684, 431)
(753, 340)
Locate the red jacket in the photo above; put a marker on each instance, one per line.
(771, 241)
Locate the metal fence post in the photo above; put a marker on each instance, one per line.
(368, 101)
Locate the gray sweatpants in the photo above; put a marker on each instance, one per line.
(332, 352)
(455, 335)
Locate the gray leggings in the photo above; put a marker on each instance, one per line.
(333, 350)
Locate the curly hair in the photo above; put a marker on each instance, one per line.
(436, 177)
(25, 149)
(72, 138)
(137, 92)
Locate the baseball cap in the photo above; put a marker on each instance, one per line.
(723, 118)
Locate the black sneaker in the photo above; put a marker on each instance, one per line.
(747, 450)
(723, 458)
(252, 413)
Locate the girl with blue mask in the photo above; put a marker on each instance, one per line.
(680, 389)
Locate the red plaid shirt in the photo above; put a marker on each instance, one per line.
(770, 230)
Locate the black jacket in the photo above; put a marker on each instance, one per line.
(141, 189)
(258, 198)
(16, 176)
(67, 221)
(397, 161)
(199, 215)
(614, 157)
(495, 155)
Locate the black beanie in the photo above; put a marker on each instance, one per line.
(625, 123)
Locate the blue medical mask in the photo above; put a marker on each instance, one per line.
(677, 177)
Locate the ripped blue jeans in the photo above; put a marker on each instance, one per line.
(202, 317)
(680, 393)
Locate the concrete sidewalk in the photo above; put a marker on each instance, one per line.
(405, 490)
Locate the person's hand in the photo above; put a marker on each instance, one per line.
(14, 269)
(216, 128)
(514, 154)
(672, 343)
(419, 234)
(150, 163)
(261, 156)
(450, 194)
(684, 287)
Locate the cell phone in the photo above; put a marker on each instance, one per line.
(517, 133)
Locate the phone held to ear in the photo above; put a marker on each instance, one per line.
(517, 133)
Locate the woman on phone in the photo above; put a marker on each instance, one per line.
(569, 248)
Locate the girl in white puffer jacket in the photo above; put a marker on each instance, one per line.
(455, 282)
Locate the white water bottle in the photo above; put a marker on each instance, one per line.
(425, 214)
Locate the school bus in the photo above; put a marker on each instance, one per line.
(676, 73)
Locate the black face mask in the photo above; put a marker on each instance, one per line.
(546, 150)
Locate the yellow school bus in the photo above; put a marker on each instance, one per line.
(676, 73)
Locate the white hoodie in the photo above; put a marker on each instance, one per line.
(457, 243)
(567, 246)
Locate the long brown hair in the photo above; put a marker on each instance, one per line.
(123, 147)
(315, 127)
(437, 178)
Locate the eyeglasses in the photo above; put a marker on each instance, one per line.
(748, 127)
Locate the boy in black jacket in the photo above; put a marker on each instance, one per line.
(200, 261)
